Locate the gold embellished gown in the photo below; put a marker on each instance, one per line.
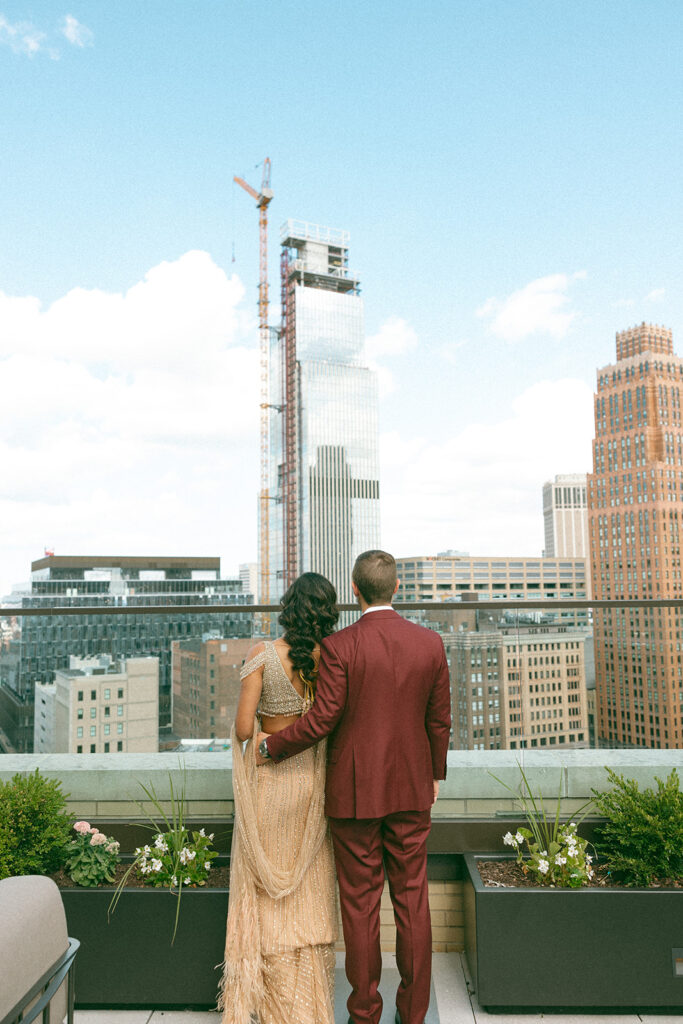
(282, 919)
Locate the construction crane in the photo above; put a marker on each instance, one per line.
(263, 199)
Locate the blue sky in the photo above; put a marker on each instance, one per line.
(510, 176)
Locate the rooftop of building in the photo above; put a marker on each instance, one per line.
(160, 562)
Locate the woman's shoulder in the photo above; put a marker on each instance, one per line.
(255, 650)
(255, 658)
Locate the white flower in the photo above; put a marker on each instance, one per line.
(161, 844)
(187, 855)
(590, 872)
(588, 858)
(174, 880)
(202, 832)
(157, 865)
(519, 837)
(208, 865)
(211, 836)
(186, 881)
(572, 824)
(572, 852)
(509, 839)
(544, 853)
(543, 866)
(146, 850)
(559, 860)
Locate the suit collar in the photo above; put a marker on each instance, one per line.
(390, 613)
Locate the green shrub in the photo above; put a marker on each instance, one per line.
(34, 828)
(642, 838)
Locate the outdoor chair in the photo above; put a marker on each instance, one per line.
(36, 955)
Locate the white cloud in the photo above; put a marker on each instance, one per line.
(129, 422)
(21, 36)
(76, 33)
(394, 338)
(538, 308)
(450, 350)
(480, 490)
(656, 293)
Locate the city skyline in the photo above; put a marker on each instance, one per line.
(505, 231)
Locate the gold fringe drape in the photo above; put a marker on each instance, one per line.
(279, 958)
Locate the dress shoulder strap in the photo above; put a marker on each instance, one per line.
(253, 663)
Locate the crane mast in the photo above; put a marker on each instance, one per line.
(263, 199)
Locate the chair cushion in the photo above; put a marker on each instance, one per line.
(33, 936)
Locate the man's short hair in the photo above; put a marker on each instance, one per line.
(374, 573)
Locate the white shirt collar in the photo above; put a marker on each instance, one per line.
(378, 608)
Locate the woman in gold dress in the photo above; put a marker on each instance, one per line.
(282, 920)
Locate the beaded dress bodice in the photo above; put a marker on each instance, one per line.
(278, 696)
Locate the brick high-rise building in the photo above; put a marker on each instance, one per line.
(635, 506)
(206, 685)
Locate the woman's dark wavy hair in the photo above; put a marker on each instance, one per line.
(309, 613)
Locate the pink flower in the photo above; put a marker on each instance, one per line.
(98, 839)
(82, 827)
(93, 831)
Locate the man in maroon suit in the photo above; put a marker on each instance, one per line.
(383, 698)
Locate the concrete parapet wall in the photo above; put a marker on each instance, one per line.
(108, 785)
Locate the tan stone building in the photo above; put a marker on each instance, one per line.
(516, 686)
(565, 518)
(206, 685)
(635, 508)
(445, 577)
(99, 707)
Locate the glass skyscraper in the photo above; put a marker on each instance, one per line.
(324, 482)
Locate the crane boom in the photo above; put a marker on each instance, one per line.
(263, 199)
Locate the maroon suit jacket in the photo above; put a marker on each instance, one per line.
(383, 698)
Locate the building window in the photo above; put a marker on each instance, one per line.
(93, 695)
(93, 730)
(107, 729)
(93, 748)
(79, 713)
(93, 712)
(106, 748)
(80, 694)
(79, 749)
(119, 745)
(120, 694)
(79, 731)
(107, 694)
(119, 711)
(106, 711)
(119, 727)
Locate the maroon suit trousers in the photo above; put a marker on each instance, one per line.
(364, 849)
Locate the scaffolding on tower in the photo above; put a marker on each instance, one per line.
(263, 199)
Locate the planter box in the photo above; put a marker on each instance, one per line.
(129, 961)
(573, 948)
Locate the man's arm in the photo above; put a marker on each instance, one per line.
(438, 718)
(330, 701)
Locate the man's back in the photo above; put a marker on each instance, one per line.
(391, 740)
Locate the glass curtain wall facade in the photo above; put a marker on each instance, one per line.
(324, 416)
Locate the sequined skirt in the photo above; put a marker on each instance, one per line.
(297, 931)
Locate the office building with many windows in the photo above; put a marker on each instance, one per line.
(48, 641)
(635, 511)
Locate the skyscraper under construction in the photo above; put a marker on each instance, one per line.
(324, 479)
(635, 509)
